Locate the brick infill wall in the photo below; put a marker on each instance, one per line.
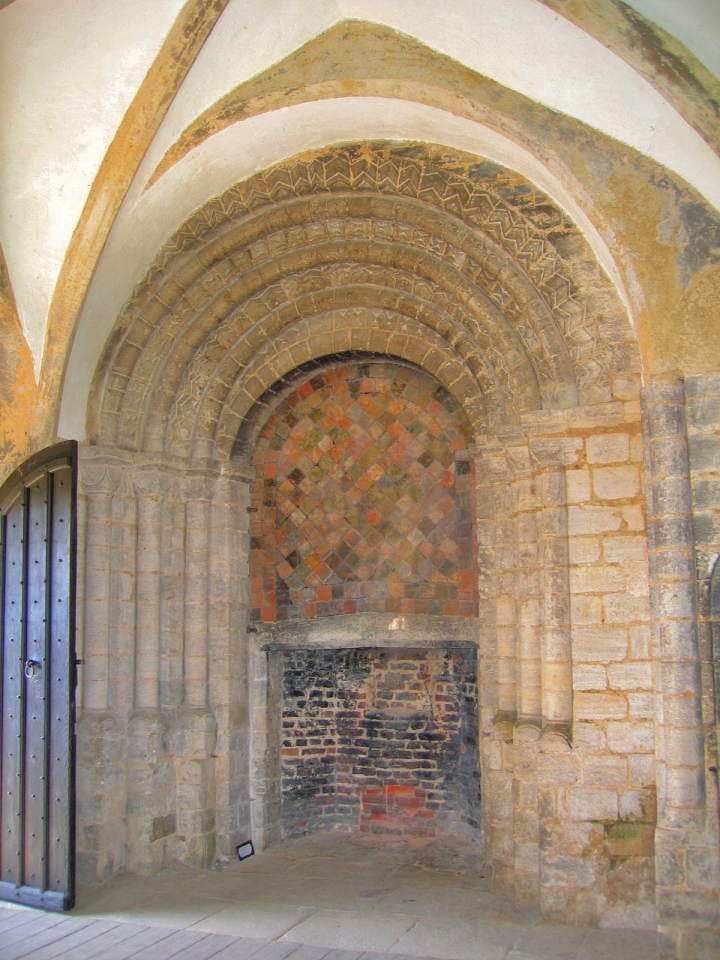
(380, 741)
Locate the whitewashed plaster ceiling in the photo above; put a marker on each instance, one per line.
(70, 68)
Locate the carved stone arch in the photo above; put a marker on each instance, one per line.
(334, 333)
(418, 259)
(466, 237)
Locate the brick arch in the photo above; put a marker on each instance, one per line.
(364, 497)
(468, 249)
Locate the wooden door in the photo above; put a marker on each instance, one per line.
(37, 650)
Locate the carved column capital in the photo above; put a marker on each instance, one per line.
(198, 487)
(150, 482)
(100, 479)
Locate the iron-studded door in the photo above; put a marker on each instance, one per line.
(37, 645)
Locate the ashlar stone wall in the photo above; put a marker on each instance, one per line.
(596, 520)
(162, 596)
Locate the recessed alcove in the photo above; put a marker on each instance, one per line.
(362, 567)
(371, 739)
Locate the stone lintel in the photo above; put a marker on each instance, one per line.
(369, 630)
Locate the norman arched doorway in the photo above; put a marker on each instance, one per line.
(435, 262)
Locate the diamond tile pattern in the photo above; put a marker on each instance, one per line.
(364, 499)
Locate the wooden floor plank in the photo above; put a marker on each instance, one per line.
(242, 949)
(17, 945)
(38, 928)
(135, 944)
(7, 913)
(73, 941)
(101, 945)
(18, 919)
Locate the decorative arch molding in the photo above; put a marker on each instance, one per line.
(420, 257)
(470, 254)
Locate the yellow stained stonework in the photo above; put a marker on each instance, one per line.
(573, 329)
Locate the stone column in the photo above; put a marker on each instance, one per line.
(496, 547)
(527, 583)
(99, 775)
(228, 655)
(557, 697)
(675, 604)
(148, 490)
(197, 493)
(556, 765)
(680, 839)
(99, 483)
(196, 730)
(149, 816)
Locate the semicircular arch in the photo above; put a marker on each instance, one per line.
(471, 252)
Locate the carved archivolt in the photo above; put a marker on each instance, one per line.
(447, 261)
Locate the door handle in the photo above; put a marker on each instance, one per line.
(32, 669)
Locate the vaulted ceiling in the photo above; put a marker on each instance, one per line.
(117, 129)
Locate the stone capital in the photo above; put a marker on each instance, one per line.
(198, 487)
(99, 479)
(150, 482)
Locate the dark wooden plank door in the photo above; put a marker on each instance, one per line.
(37, 655)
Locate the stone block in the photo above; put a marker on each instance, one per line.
(704, 453)
(625, 608)
(586, 610)
(641, 706)
(597, 579)
(637, 805)
(694, 944)
(693, 908)
(599, 645)
(589, 520)
(685, 746)
(642, 770)
(608, 448)
(670, 866)
(146, 738)
(584, 550)
(706, 494)
(703, 868)
(678, 639)
(630, 676)
(630, 839)
(633, 517)
(623, 549)
(589, 804)
(195, 734)
(579, 489)
(616, 483)
(640, 642)
(600, 706)
(604, 771)
(556, 769)
(589, 677)
(631, 737)
(626, 386)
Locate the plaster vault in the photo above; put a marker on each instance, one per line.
(424, 262)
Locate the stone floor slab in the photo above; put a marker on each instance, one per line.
(460, 940)
(344, 929)
(266, 921)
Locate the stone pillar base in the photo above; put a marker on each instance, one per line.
(195, 737)
(100, 843)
